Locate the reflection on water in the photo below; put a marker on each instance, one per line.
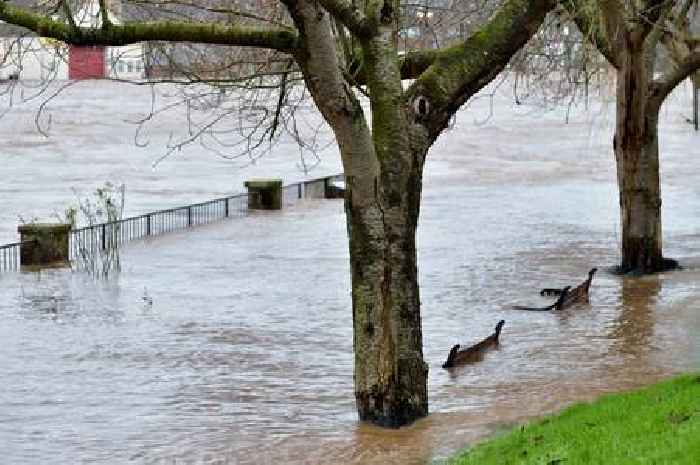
(634, 327)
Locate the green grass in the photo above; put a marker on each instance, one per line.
(657, 425)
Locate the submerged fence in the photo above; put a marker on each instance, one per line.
(10, 256)
(321, 188)
(114, 234)
(93, 239)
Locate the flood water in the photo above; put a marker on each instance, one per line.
(232, 343)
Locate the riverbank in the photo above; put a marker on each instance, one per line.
(659, 424)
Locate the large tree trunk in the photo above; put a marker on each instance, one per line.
(382, 213)
(390, 375)
(383, 180)
(384, 170)
(637, 155)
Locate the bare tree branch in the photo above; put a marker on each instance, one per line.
(350, 16)
(652, 13)
(612, 20)
(69, 14)
(683, 13)
(104, 15)
(282, 39)
(661, 89)
(165, 4)
(590, 25)
(460, 71)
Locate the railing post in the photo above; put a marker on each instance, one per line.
(300, 186)
(226, 208)
(148, 225)
(264, 194)
(44, 244)
(696, 100)
(104, 234)
(189, 216)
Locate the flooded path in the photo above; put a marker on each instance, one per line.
(245, 354)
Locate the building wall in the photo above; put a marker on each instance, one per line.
(86, 62)
(125, 62)
(33, 58)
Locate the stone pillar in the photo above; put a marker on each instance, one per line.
(264, 194)
(46, 244)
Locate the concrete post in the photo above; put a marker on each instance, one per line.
(264, 194)
(46, 244)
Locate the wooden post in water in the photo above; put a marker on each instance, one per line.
(44, 244)
(264, 194)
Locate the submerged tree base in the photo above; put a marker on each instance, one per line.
(667, 264)
(389, 414)
(659, 424)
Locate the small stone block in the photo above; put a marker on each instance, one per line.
(264, 194)
(46, 244)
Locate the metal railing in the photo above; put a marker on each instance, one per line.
(313, 189)
(113, 234)
(94, 238)
(10, 256)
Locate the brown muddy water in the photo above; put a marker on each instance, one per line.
(244, 355)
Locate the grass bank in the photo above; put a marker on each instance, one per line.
(656, 425)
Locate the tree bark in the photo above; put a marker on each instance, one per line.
(390, 374)
(383, 180)
(636, 147)
(382, 211)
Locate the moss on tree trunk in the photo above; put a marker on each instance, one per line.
(390, 374)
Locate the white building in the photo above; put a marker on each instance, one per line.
(23, 55)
